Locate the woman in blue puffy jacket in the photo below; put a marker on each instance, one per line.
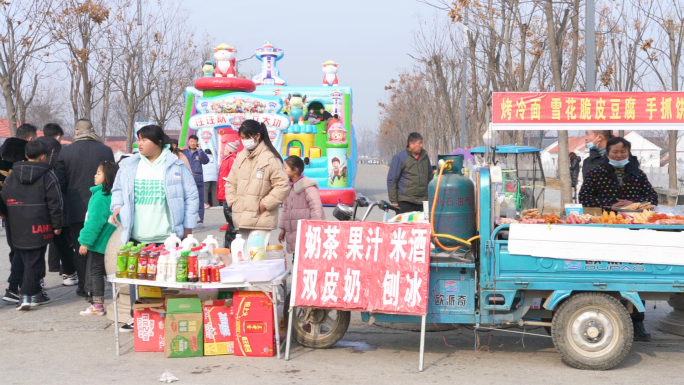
(154, 193)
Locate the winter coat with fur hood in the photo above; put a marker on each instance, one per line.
(257, 177)
(304, 202)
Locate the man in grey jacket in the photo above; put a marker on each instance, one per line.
(197, 157)
(409, 176)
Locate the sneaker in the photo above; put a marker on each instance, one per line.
(25, 303)
(11, 296)
(640, 333)
(206, 206)
(224, 227)
(44, 293)
(200, 225)
(69, 280)
(94, 311)
(39, 300)
(127, 327)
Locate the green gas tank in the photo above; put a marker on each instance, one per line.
(455, 208)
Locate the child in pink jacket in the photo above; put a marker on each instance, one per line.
(303, 202)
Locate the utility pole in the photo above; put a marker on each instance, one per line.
(464, 80)
(141, 109)
(590, 44)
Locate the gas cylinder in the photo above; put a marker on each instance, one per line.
(455, 208)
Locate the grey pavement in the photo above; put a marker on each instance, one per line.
(55, 345)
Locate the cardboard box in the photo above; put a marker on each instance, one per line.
(218, 328)
(573, 209)
(149, 317)
(183, 327)
(225, 294)
(149, 292)
(254, 329)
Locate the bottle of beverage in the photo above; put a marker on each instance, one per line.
(237, 248)
(189, 242)
(172, 242)
(257, 247)
(193, 267)
(162, 266)
(142, 262)
(182, 267)
(211, 243)
(132, 270)
(172, 266)
(152, 263)
(121, 262)
(204, 259)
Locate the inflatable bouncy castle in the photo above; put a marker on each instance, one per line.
(306, 121)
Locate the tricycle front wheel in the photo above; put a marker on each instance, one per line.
(592, 331)
(318, 328)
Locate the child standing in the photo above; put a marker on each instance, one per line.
(303, 202)
(31, 196)
(96, 232)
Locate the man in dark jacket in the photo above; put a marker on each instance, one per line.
(596, 144)
(409, 176)
(197, 158)
(13, 151)
(60, 252)
(76, 167)
(31, 198)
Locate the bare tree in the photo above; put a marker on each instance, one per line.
(25, 47)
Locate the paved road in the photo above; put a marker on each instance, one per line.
(54, 345)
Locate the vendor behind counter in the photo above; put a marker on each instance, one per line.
(617, 181)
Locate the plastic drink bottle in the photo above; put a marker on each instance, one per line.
(189, 242)
(172, 266)
(211, 243)
(142, 262)
(121, 262)
(204, 259)
(193, 268)
(132, 270)
(257, 250)
(162, 266)
(172, 242)
(237, 248)
(152, 263)
(182, 267)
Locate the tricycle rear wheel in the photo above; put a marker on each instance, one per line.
(592, 331)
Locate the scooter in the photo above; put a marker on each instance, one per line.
(323, 328)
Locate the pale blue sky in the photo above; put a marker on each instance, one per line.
(369, 39)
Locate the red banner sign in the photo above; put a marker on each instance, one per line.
(581, 110)
(367, 266)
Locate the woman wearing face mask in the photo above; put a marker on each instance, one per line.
(257, 183)
(617, 181)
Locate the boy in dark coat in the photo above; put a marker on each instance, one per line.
(32, 192)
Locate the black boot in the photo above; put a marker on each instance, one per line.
(640, 333)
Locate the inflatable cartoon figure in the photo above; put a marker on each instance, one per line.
(296, 102)
(269, 75)
(225, 60)
(337, 134)
(330, 71)
(208, 69)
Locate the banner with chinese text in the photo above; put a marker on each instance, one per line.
(582, 110)
(365, 266)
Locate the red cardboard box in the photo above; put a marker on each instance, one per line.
(219, 327)
(253, 313)
(149, 325)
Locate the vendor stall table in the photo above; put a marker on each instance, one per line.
(270, 287)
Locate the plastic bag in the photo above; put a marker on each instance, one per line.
(168, 377)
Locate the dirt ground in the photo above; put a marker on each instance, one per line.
(553, 183)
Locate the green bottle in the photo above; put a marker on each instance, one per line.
(182, 267)
(132, 263)
(121, 262)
